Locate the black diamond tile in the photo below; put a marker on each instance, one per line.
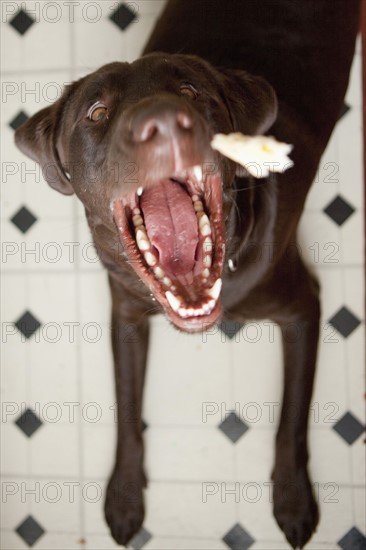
(230, 328)
(349, 428)
(339, 210)
(18, 120)
(23, 219)
(30, 530)
(27, 324)
(140, 539)
(123, 16)
(238, 539)
(353, 540)
(233, 427)
(344, 111)
(344, 321)
(28, 422)
(21, 21)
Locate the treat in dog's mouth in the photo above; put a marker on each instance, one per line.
(173, 234)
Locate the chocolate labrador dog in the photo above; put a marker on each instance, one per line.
(176, 224)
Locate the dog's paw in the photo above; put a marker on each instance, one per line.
(295, 508)
(124, 507)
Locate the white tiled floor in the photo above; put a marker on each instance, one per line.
(192, 382)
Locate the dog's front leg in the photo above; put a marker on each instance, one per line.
(295, 508)
(124, 506)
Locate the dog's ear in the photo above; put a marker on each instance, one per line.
(37, 138)
(251, 102)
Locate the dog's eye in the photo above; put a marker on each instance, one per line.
(189, 91)
(98, 112)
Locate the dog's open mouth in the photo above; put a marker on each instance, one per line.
(173, 234)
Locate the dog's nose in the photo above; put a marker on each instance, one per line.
(162, 124)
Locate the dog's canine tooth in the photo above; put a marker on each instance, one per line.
(140, 190)
(174, 301)
(150, 259)
(214, 291)
(197, 171)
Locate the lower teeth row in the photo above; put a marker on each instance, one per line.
(175, 302)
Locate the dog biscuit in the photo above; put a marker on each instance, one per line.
(259, 155)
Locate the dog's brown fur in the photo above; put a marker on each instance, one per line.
(303, 51)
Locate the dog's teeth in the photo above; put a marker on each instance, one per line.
(150, 259)
(137, 220)
(207, 261)
(204, 225)
(136, 211)
(140, 191)
(206, 308)
(195, 198)
(142, 240)
(206, 273)
(207, 245)
(167, 281)
(214, 291)
(183, 312)
(159, 273)
(174, 301)
(197, 171)
(198, 206)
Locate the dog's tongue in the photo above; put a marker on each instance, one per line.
(171, 225)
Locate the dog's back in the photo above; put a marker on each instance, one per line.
(303, 48)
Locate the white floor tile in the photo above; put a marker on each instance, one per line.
(94, 299)
(182, 543)
(14, 449)
(99, 447)
(329, 457)
(188, 454)
(257, 357)
(180, 508)
(358, 456)
(15, 503)
(12, 541)
(254, 456)
(336, 516)
(359, 506)
(91, 48)
(29, 52)
(48, 303)
(54, 450)
(57, 504)
(191, 375)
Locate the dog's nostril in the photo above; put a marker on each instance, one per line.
(146, 132)
(184, 120)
